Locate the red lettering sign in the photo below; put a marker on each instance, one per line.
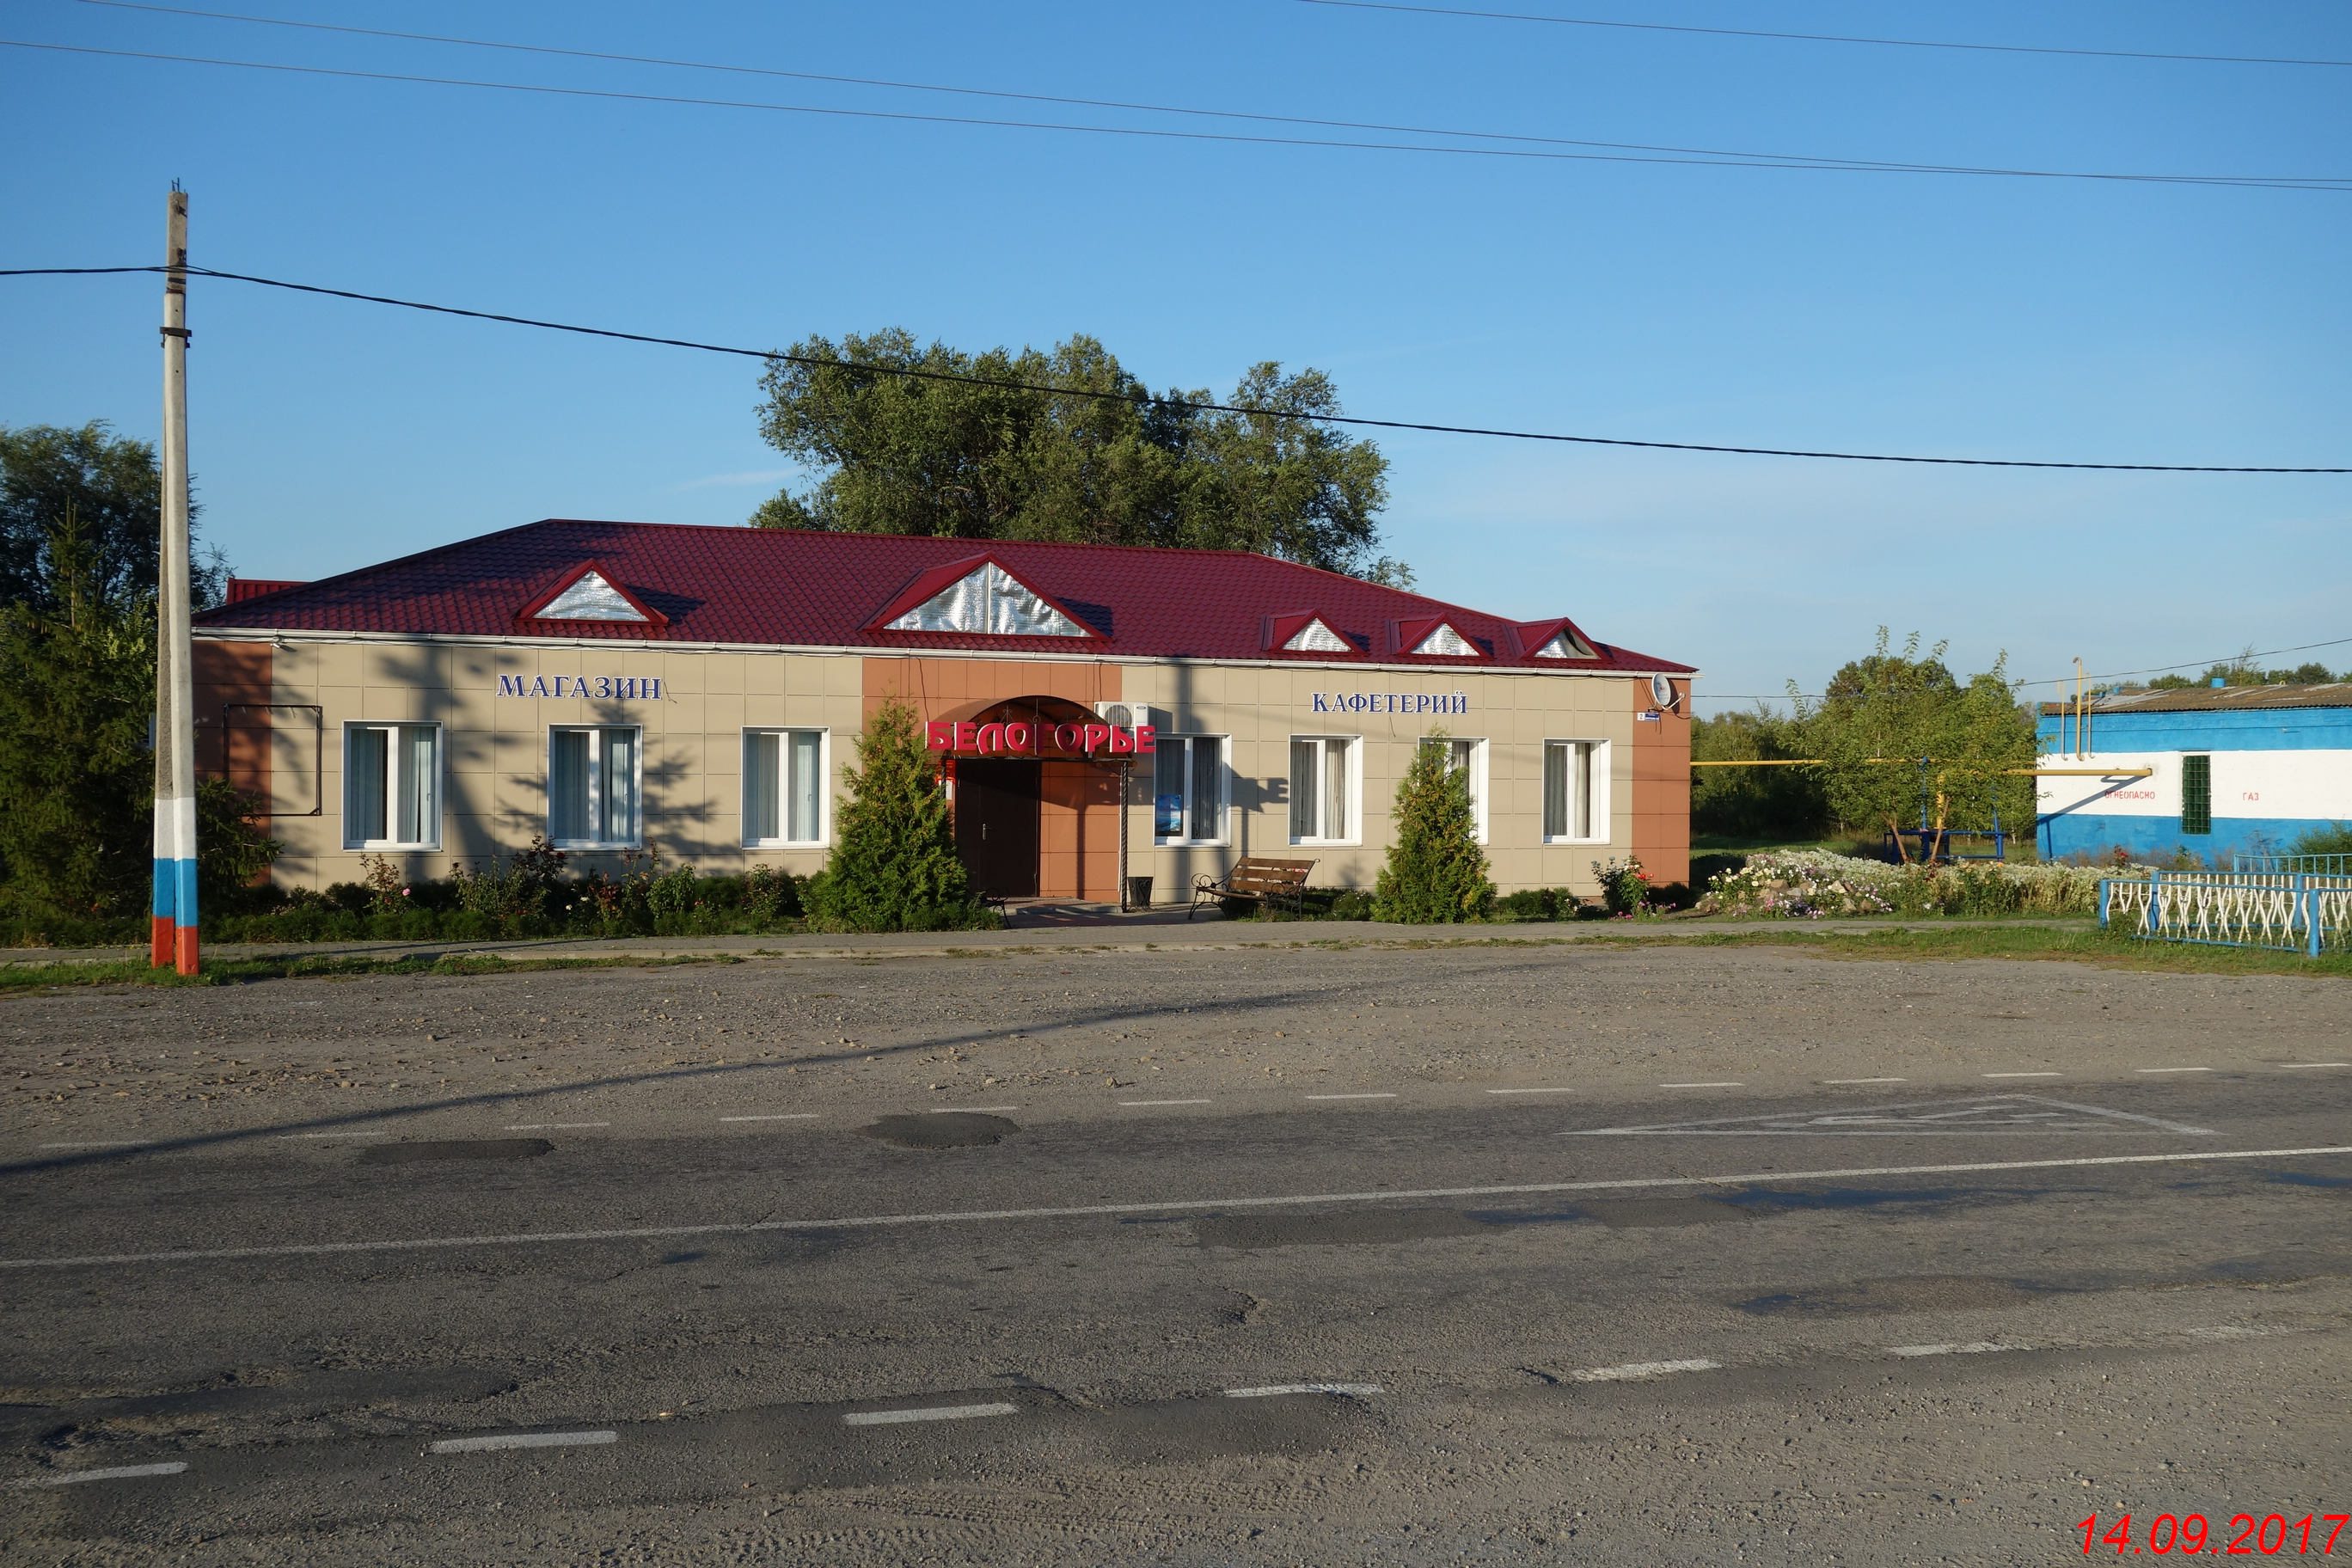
(1017, 739)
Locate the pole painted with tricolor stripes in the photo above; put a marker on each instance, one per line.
(173, 934)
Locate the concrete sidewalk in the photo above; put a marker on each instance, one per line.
(1095, 928)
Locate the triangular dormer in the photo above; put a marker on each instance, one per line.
(1553, 639)
(1436, 638)
(588, 594)
(1304, 631)
(977, 597)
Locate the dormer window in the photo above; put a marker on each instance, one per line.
(1317, 638)
(1552, 639)
(590, 595)
(1444, 642)
(987, 601)
(590, 599)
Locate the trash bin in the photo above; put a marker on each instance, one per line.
(1139, 892)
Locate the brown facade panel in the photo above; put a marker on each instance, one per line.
(1660, 784)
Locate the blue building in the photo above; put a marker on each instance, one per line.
(2230, 769)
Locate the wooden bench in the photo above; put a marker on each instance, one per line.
(1277, 884)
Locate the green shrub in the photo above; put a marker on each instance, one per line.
(2336, 838)
(893, 864)
(1436, 872)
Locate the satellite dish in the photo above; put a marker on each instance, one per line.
(1662, 690)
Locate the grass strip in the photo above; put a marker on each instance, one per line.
(1959, 941)
(40, 977)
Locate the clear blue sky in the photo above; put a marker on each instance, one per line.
(1937, 314)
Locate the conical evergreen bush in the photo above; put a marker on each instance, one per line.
(1436, 872)
(893, 864)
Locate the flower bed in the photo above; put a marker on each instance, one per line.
(1813, 884)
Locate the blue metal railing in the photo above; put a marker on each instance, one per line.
(2291, 912)
(2322, 865)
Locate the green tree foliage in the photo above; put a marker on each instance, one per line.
(1755, 802)
(113, 487)
(77, 689)
(1884, 714)
(231, 846)
(893, 864)
(950, 459)
(2334, 838)
(1436, 871)
(2242, 671)
(77, 776)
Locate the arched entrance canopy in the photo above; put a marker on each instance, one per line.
(1022, 727)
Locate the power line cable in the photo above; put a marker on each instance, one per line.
(1697, 158)
(1820, 38)
(1797, 158)
(1184, 404)
(2112, 675)
(1707, 152)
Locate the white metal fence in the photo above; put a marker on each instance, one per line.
(2293, 912)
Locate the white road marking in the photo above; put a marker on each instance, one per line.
(103, 1143)
(1353, 1390)
(1164, 1102)
(779, 1116)
(1531, 1092)
(284, 1135)
(525, 1440)
(1178, 1205)
(953, 1110)
(550, 1126)
(2025, 1075)
(1983, 1115)
(1865, 1080)
(2172, 1070)
(935, 1412)
(1977, 1347)
(1732, 1085)
(2316, 1064)
(113, 1473)
(1352, 1097)
(1640, 1369)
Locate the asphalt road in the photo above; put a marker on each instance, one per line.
(1923, 1314)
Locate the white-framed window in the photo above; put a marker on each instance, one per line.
(1576, 792)
(1467, 758)
(392, 786)
(596, 779)
(783, 787)
(1326, 789)
(1189, 789)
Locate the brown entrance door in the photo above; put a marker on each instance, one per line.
(996, 825)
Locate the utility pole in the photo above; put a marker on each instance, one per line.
(174, 932)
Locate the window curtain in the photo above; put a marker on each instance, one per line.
(366, 781)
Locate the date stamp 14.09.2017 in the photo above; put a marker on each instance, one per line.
(2264, 1535)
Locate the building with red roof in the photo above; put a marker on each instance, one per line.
(695, 691)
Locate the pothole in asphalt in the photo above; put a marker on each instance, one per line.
(1642, 1214)
(1918, 1293)
(1356, 1228)
(455, 1149)
(940, 1130)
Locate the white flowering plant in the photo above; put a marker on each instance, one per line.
(1813, 884)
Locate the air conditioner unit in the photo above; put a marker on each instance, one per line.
(1131, 713)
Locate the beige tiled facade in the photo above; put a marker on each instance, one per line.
(273, 708)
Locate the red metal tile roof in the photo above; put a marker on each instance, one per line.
(824, 590)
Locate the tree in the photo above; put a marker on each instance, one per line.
(1897, 730)
(945, 453)
(893, 864)
(1436, 871)
(1787, 804)
(113, 487)
(76, 693)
